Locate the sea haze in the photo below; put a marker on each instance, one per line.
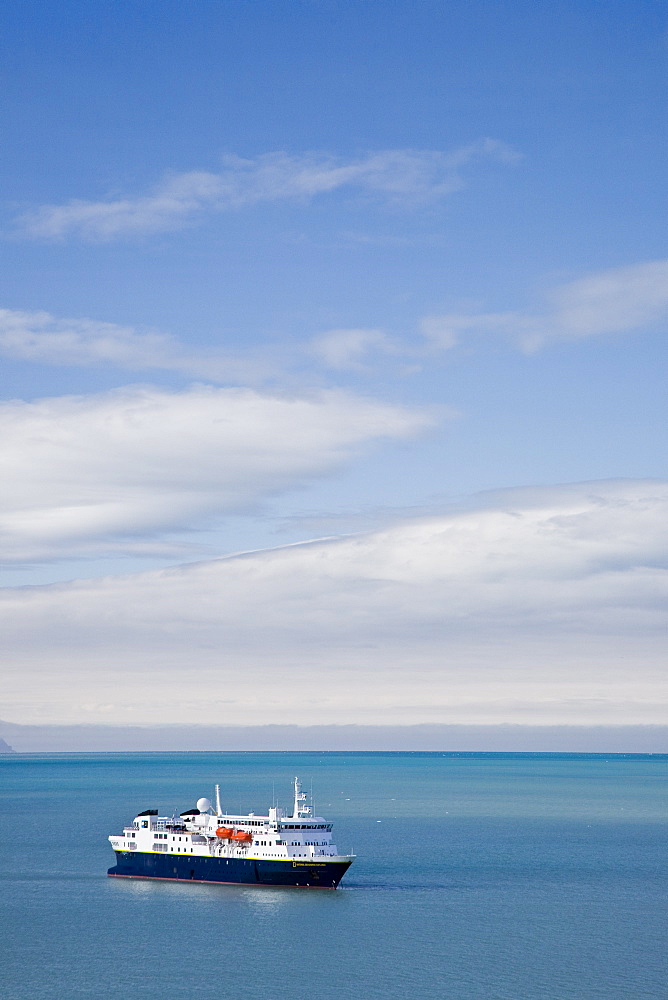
(480, 875)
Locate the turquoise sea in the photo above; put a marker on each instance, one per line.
(478, 877)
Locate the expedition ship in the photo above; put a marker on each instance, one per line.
(207, 845)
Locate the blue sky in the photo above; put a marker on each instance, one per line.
(280, 272)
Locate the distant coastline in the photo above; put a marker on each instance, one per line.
(445, 738)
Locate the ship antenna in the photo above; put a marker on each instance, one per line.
(300, 797)
(219, 811)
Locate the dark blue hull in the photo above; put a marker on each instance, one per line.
(237, 871)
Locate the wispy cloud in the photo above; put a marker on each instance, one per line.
(113, 472)
(43, 338)
(352, 349)
(398, 176)
(615, 301)
(618, 300)
(534, 606)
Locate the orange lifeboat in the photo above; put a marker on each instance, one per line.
(242, 837)
(225, 832)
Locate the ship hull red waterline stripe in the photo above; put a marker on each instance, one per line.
(205, 881)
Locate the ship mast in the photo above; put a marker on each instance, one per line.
(299, 808)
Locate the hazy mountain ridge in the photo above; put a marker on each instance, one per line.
(115, 739)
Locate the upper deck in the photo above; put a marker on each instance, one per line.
(205, 831)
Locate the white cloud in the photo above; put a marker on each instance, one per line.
(394, 175)
(613, 301)
(41, 337)
(45, 339)
(536, 606)
(351, 349)
(100, 473)
(443, 331)
(618, 300)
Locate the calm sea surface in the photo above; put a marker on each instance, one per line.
(478, 877)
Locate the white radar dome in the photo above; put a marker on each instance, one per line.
(203, 805)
